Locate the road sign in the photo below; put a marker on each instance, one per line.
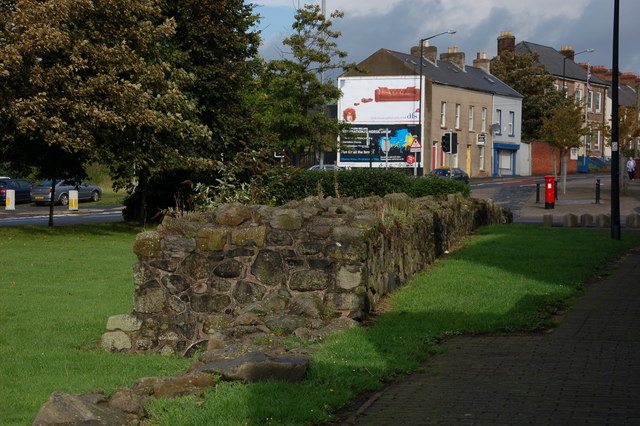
(416, 146)
(411, 159)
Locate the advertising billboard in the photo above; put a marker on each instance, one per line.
(379, 108)
(365, 145)
(373, 100)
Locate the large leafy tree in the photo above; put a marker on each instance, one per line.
(564, 128)
(215, 43)
(126, 83)
(533, 81)
(294, 96)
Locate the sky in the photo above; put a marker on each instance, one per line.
(369, 25)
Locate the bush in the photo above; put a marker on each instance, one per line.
(367, 182)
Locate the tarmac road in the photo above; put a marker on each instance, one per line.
(30, 215)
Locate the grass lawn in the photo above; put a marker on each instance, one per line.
(58, 286)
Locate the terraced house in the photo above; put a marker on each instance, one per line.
(577, 80)
(412, 105)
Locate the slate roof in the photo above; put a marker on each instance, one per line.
(627, 95)
(553, 60)
(449, 74)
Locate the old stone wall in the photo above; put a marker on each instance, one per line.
(242, 273)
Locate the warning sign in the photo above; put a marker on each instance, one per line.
(416, 146)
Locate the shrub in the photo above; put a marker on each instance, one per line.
(431, 185)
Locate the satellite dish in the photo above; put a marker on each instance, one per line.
(495, 127)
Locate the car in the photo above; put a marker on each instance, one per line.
(445, 173)
(21, 187)
(323, 167)
(41, 193)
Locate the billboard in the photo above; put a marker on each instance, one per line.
(386, 100)
(364, 145)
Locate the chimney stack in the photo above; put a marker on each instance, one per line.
(568, 51)
(428, 52)
(506, 42)
(482, 62)
(629, 79)
(453, 56)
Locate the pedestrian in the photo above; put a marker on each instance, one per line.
(631, 168)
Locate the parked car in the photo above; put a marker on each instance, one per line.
(41, 193)
(445, 173)
(20, 186)
(323, 167)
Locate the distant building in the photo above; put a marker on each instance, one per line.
(579, 83)
(628, 95)
(385, 103)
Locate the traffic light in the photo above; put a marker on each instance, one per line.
(454, 143)
(450, 142)
(446, 142)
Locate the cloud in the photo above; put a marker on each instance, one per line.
(398, 24)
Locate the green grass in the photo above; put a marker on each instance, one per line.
(58, 286)
(54, 308)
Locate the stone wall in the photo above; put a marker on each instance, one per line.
(241, 273)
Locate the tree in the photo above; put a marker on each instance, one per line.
(102, 80)
(563, 129)
(534, 83)
(214, 42)
(293, 96)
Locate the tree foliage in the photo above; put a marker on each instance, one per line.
(140, 86)
(563, 130)
(293, 96)
(533, 81)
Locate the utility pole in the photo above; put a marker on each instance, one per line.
(615, 145)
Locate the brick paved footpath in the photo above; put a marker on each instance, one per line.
(587, 371)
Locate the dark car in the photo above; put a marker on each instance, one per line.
(445, 173)
(20, 186)
(41, 193)
(323, 167)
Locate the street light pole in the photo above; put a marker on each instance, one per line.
(615, 145)
(564, 66)
(422, 40)
(565, 91)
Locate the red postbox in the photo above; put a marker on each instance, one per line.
(549, 192)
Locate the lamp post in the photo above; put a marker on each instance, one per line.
(422, 40)
(565, 91)
(564, 66)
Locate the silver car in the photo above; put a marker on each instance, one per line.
(41, 193)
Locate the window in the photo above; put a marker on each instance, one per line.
(457, 116)
(443, 117)
(512, 123)
(579, 95)
(484, 120)
(596, 140)
(589, 99)
(499, 121)
(598, 101)
(481, 158)
(556, 86)
(471, 117)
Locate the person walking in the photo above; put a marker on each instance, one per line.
(631, 168)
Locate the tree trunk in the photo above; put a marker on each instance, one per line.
(52, 201)
(554, 162)
(563, 167)
(141, 200)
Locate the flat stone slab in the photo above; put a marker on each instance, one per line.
(259, 367)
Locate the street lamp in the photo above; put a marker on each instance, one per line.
(422, 40)
(565, 92)
(564, 66)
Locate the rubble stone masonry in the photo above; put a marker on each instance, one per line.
(241, 273)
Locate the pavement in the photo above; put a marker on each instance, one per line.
(579, 197)
(585, 371)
